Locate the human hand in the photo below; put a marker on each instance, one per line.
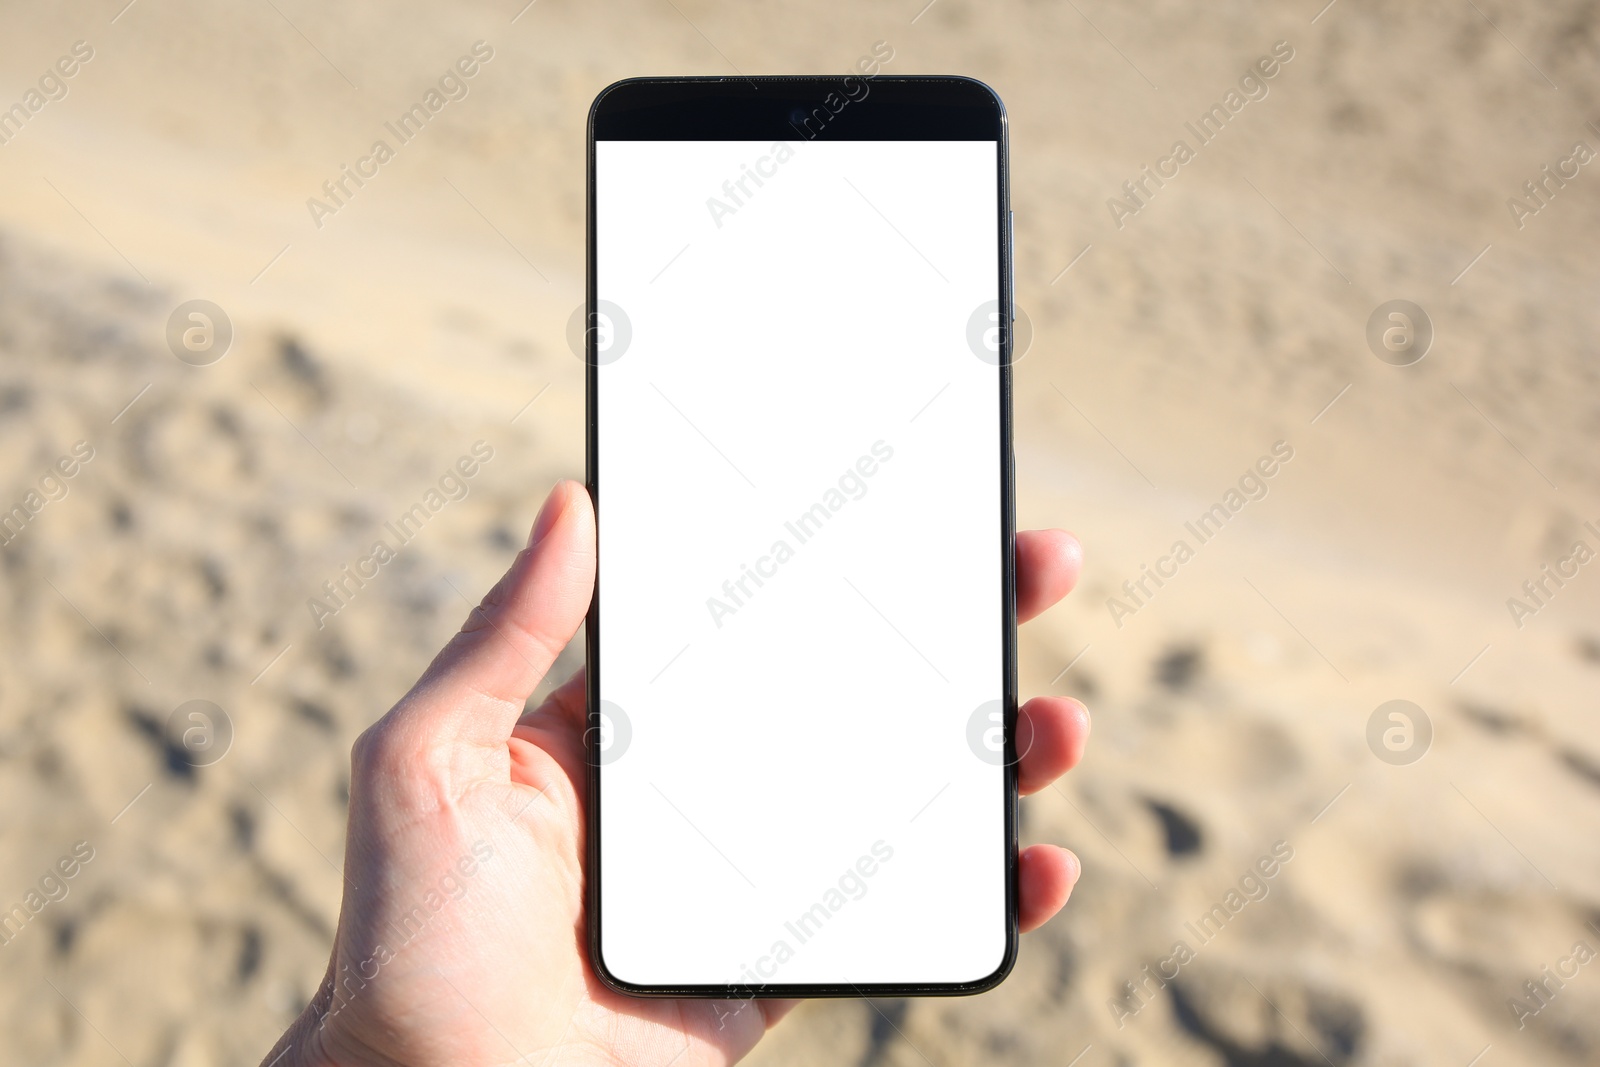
(461, 936)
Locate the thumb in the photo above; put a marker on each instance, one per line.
(475, 688)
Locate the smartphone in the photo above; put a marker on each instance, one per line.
(801, 650)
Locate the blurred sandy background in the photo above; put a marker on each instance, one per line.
(1231, 710)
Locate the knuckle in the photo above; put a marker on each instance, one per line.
(375, 751)
(363, 750)
(491, 605)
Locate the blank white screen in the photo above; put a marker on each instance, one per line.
(780, 738)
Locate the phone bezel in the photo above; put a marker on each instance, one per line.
(761, 108)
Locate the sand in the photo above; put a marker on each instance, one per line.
(1171, 353)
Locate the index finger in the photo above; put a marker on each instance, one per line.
(1048, 562)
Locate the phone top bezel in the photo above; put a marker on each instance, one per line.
(894, 108)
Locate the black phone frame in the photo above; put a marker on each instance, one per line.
(894, 108)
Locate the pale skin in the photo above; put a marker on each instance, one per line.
(467, 832)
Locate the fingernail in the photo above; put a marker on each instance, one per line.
(554, 505)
